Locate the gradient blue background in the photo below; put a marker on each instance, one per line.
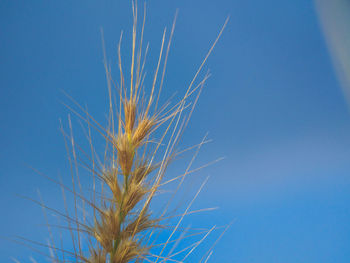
(273, 107)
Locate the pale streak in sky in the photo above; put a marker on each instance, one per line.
(334, 16)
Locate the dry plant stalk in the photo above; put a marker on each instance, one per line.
(131, 174)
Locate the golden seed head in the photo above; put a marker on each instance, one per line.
(142, 130)
(111, 179)
(97, 256)
(107, 229)
(140, 224)
(127, 250)
(130, 115)
(134, 195)
(125, 153)
(140, 171)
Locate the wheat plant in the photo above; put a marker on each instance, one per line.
(115, 222)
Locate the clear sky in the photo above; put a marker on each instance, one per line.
(273, 107)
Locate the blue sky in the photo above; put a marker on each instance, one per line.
(273, 106)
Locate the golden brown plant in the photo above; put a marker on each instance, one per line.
(141, 141)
